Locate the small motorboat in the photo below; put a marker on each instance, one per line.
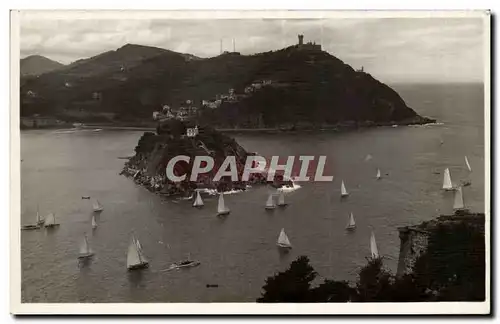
(185, 264)
(466, 183)
(85, 197)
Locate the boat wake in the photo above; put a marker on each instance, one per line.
(290, 189)
(71, 131)
(214, 192)
(427, 125)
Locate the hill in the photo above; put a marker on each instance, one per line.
(36, 65)
(287, 87)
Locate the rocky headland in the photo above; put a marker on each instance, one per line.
(155, 149)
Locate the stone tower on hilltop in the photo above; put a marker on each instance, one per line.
(308, 45)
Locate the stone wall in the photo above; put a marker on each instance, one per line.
(414, 238)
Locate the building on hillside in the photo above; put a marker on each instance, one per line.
(183, 113)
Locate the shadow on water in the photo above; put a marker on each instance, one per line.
(84, 264)
(135, 279)
(284, 254)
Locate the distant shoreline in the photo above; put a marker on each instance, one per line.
(267, 130)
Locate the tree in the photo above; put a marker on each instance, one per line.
(292, 285)
(333, 291)
(374, 282)
(454, 263)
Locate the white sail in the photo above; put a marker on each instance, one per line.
(139, 250)
(378, 174)
(368, 158)
(85, 247)
(351, 223)
(458, 202)
(94, 224)
(283, 239)
(97, 206)
(133, 256)
(447, 180)
(198, 202)
(39, 220)
(467, 163)
(221, 208)
(343, 191)
(50, 219)
(373, 246)
(270, 202)
(281, 199)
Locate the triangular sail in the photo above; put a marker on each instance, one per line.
(38, 219)
(270, 201)
(97, 205)
(85, 247)
(133, 257)
(373, 246)
(343, 191)
(221, 208)
(281, 199)
(94, 224)
(283, 239)
(139, 250)
(468, 165)
(50, 219)
(459, 199)
(198, 201)
(378, 174)
(351, 220)
(447, 179)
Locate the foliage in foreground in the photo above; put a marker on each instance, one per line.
(451, 269)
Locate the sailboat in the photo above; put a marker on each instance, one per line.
(458, 203)
(50, 220)
(221, 208)
(37, 225)
(447, 180)
(270, 202)
(468, 182)
(378, 174)
(94, 224)
(467, 164)
(281, 199)
(373, 247)
(135, 256)
(85, 250)
(283, 241)
(198, 202)
(97, 206)
(351, 225)
(343, 191)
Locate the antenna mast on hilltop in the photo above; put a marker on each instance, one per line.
(234, 45)
(221, 46)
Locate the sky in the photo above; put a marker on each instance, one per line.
(391, 49)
